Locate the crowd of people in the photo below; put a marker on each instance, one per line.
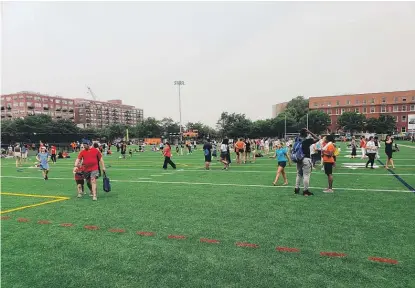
(307, 151)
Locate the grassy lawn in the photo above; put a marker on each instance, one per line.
(369, 215)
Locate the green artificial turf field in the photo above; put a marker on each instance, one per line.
(208, 228)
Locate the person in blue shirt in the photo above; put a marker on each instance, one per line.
(43, 157)
(281, 153)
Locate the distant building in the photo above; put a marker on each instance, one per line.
(278, 108)
(25, 104)
(399, 104)
(85, 113)
(90, 113)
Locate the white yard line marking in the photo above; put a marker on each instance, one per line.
(223, 184)
(407, 146)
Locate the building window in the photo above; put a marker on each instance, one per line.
(315, 104)
(37, 98)
(372, 109)
(403, 118)
(64, 102)
(45, 99)
(337, 111)
(342, 110)
(403, 99)
(403, 129)
(412, 107)
(8, 98)
(329, 111)
(383, 109)
(372, 101)
(57, 101)
(329, 104)
(364, 101)
(21, 104)
(357, 101)
(413, 98)
(356, 110)
(364, 110)
(403, 108)
(395, 108)
(322, 104)
(70, 102)
(348, 102)
(383, 99)
(396, 118)
(38, 105)
(15, 104)
(338, 103)
(395, 99)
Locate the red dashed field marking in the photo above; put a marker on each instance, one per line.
(333, 254)
(383, 260)
(245, 244)
(116, 230)
(176, 237)
(143, 233)
(66, 225)
(287, 249)
(5, 217)
(206, 240)
(23, 220)
(91, 227)
(43, 222)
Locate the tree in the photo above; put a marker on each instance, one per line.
(351, 121)
(385, 124)
(297, 107)
(318, 121)
(150, 127)
(234, 125)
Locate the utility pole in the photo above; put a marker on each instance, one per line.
(180, 83)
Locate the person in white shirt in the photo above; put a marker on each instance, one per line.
(371, 151)
(266, 147)
(224, 153)
(314, 154)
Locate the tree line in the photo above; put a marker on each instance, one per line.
(42, 128)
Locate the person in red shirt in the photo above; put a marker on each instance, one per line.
(167, 156)
(91, 161)
(53, 154)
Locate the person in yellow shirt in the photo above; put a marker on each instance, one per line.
(328, 152)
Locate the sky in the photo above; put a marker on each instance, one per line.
(240, 57)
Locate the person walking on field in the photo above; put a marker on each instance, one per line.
(281, 153)
(43, 157)
(91, 161)
(363, 146)
(371, 151)
(167, 156)
(328, 161)
(207, 149)
(304, 166)
(389, 151)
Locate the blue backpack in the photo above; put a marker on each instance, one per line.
(297, 153)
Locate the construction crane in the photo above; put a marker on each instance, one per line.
(92, 93)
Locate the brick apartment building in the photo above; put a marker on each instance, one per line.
(83, 112)
(278, 108)
(24, 104)
(90, 113)
(399, 104)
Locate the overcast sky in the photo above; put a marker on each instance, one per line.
(235, 57)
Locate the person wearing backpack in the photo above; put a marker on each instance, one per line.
(300, 154)
(207, 149)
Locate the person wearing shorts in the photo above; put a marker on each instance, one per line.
(207, 149)
(43, 157)
(91, 160)
(79, 179)
(328, 161)
(18, 155)
(224, 153)
(281, 153)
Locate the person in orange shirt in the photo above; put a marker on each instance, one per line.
(363, 146)
(328, 161)
(53, 154)
(240, 151)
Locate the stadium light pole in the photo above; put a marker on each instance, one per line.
(180, 83)
(285, 127)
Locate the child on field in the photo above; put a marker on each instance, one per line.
(79, 179)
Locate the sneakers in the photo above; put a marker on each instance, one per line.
(307, 193)
(79, 195)
(94, 198)
(297, 191)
